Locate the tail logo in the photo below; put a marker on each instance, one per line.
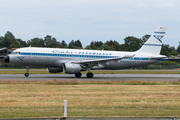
(158, 37)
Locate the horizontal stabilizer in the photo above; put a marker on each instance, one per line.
(159, 57)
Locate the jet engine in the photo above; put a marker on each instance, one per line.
(70, 68)
(54, 69)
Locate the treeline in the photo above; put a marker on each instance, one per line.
(130, 44)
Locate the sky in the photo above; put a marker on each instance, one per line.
(90, 20)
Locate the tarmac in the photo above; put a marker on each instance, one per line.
(97, 77)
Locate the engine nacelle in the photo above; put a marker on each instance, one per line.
(72, 68)
(54, 69)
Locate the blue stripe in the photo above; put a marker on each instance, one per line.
(160, 32)
(137, 58)
(86, 56)
(152, 44)
(68, 55)
(163, 59)
(80, 56)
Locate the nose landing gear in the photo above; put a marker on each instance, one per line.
(27, 69)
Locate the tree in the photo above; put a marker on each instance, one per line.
(174, 53)
(71, 44)
(1, 42)
(145, 38)
(98, 44)
(78, 44)
(21, 43)
(112, 48)
(51, 42)
(36, 42)
(164, 50)
(63, 44)
(8, 37)
(10, 41)
(178, 49)
(88, 47)
(17, 43)
(133, 43)
(75, 44)
(48, 41)
(58, 45)
(105, 47)
(95, 45)
(114, 45)
(171, 49)
(167, 47)
(123, 47)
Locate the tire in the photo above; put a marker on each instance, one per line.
(89, 75)
(78, 75)
(26, 74)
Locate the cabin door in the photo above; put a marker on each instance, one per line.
(29, 54)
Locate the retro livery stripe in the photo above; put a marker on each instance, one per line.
(81, 56)
(160, 32)
(152, 44)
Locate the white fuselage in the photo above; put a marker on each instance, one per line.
(54, 57)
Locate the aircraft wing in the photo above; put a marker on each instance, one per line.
(96, 61)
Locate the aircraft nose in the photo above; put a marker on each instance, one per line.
(6, 59)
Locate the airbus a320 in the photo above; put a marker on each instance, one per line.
(73, 61)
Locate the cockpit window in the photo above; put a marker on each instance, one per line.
(16, 53)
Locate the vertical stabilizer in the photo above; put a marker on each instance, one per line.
(154, 43)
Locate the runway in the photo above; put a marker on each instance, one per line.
(97, 77)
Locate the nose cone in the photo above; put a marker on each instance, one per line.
(6, 59)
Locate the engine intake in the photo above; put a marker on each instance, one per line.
(70, 68)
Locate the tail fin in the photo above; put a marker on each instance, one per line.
(154, 43)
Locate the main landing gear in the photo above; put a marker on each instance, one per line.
(27, 69)
(89, 74)
(78, 75)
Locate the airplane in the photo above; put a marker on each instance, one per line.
(73, 61)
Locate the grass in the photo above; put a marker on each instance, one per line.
(27, 99)
(44, 71)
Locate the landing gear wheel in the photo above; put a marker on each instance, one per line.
(89, 75)
(27, 69)
(26, 74)
(78, 75)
